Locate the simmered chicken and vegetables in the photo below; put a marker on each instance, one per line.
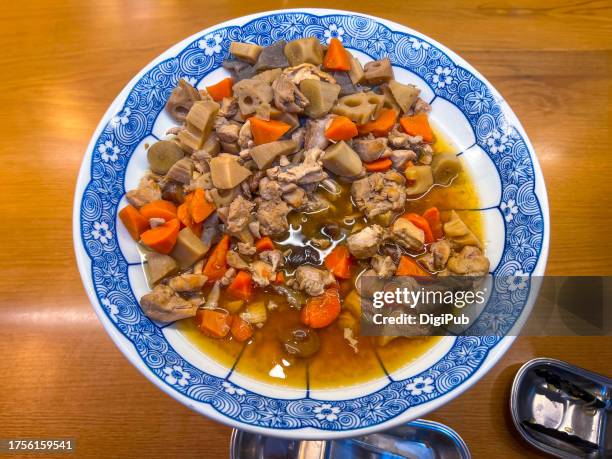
(279, 187)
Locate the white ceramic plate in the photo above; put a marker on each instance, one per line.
(494, 148)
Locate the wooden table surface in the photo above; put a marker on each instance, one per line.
(63, 62)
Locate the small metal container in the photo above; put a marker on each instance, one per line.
(562, 409)
(418, 439)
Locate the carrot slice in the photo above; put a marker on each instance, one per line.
(322, 310)
(133, 221)
(380, 165)
(199, 207)
(421, 223)
(216, 265)
(241, 330)
(213, 322)
(417, 125)
(280, 278)
(267, 131)
(339, 262)
(162, 238)
(242, 286)
(432, 215)
(336, 57)
(341, 128)
(382, 125)
(159, 209)
(220, 90)
(408, 267)
(263, 244)
(184, 216)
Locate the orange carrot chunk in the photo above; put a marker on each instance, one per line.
(336, 57)
(381, 126)
(417, 125)
(241, 330)
(408, 267)
(322, 310)
(162, 238)
(242, 286)
(159, 209)
(380, 165)
(216, 265)
(267, 131)
(280, 278)
(199, 206)
(421, 223)
(341, 128)
(263, 244)
(133, 221)
(432, 215)
(339, 262)
(220, 90)
(214, 322)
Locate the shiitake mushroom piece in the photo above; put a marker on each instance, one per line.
(300, 341)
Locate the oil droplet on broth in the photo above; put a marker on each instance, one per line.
(336, 364)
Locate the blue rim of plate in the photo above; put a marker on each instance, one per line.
(132, 117)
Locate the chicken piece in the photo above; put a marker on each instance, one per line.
(408, 235)
(156, 221)
(246, 249)
(164, 305)
(420, 106)
(441, 251)
(181, 171)
(229, 107)
(401, 140)
(239, 215)
(262, 273)
(254, 229)
(228, 277)
(309, 171)
(400, 158)
(469, 262)
(146, 192)
(370, 149)
(287, 97)
(314, 136)
(379, 193)
(383, 265)
(307, 71)
(269, 190)
(274, 257)
(365, 243)
(272, 216)
(299, 136)
(235, 260)
(228, 132)
(313, 280)
(245, 136)
(296, 198)
(187, 282)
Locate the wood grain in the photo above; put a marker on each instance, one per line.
(62, 64)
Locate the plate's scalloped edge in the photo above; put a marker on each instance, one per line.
(340, 418)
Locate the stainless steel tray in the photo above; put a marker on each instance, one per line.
(418, 439)
(562, 409)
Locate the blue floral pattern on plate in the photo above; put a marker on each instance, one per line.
(520, 208)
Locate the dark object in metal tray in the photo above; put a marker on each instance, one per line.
(418, 439)
(563, 410)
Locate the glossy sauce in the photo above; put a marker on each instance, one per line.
(335, 364)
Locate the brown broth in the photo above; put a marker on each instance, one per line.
(335, 364)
